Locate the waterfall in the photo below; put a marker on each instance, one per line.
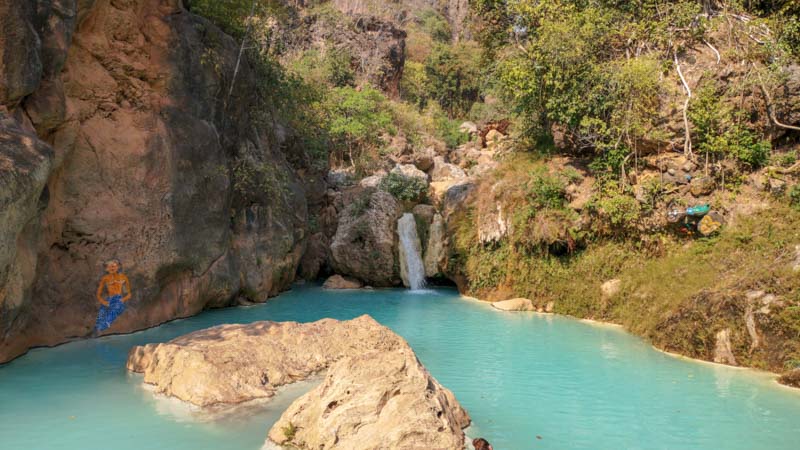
(412, 270)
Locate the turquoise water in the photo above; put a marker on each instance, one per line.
(520, 375)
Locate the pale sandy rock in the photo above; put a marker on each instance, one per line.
(796, 264)
(492, 224)
(410, 171)
(340, 282)
(611, 288)
(723, 351)
(372, 181)
(434, 250)
(376, 400)
(468, 127)
(443, 170)
(231, 364)
(550, 307)
(515, 304)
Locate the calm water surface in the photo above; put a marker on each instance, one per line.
(528, 381)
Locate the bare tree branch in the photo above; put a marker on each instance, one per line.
(719, 58)
(770, 109)
(687, 143)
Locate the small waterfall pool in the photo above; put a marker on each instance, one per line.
(529, 382)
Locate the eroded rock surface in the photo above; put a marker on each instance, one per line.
(230, 364)
(376, 400)
(116, 143)
(515, 304)
(340, 282)
(365, 243)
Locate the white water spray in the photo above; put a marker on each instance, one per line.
(411, 267)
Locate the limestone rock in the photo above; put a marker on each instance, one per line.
(372, 181)
(492, 224)
(435, 249)
(723, 350)
(796, 264)
(140, 169)
(364, 244)
(702, 186)
(231, 364)
(611, 288)
(445, 171)
(315, 258)
(340, 282)
(493, 137)
(424, 212)
(377, 400)
(410, 171)
(468, 128)
(515, 304)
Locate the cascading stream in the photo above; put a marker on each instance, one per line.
(412, 268)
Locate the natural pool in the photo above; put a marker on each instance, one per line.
(520, 375)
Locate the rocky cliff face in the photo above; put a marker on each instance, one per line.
(120, 138)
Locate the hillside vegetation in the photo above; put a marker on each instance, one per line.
(612, 114)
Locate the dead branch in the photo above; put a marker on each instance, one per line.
(687, 143)
(770, 109)
(719, 58)
(241, 49)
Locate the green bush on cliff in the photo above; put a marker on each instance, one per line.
(403, 187)
(357, 119)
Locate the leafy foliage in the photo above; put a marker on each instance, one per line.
(403, 187)
(357, 118)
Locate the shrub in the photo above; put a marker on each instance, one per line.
(546, 191)
(794, 197)
(404, 188)
(620, 210)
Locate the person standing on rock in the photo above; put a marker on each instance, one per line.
(118, 292)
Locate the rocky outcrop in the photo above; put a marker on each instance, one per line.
(376, 394)
(515, 304)
(230, 364)
(791, 378)
(340, 282)
(374, 400)
(723, 352)
(365, 243)
(435, 252)
(135, 155)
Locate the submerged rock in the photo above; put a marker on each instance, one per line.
(340, 282)
(231, 364)
(377, 400)
(515, 304)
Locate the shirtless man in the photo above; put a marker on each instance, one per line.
(118, 290)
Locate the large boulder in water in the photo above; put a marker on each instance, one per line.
(365, 243)
(376, 394)
(230, 364)
(378, 400)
